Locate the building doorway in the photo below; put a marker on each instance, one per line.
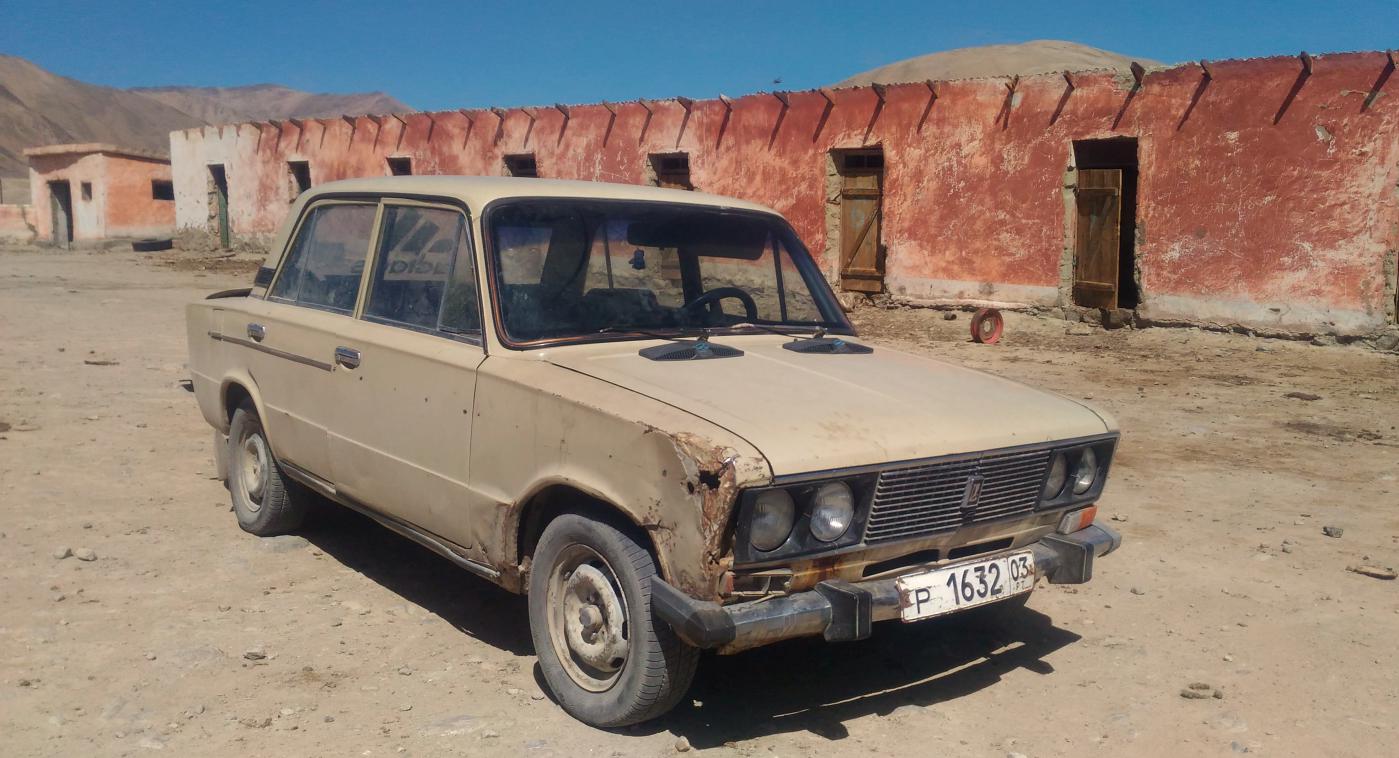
(1105, 224)
(861, 175)
(61, 213)
(218, 204)
(671, 170)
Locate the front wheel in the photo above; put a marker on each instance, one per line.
(606, 658)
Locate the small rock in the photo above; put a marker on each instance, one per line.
(87, 524)
(1286, 547)
(1332, 531)
(1190, 694)
(329, 719)
(1079, 330)
(1228, 658)
(1373, 571)
(1302, 396)
(85, 554)
(949, 316)
(490, 734)
(62, 552)
(514, 692)
(150, 656)
(1200, 686)
(1218, 694)
(1118, 517)
(255, 653)
(405, 707)
(537, 696)
(101, 362)
(682, 745)
(253, 723)
(405, 671)
(1136, 591)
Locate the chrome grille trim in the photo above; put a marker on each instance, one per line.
(927, 499)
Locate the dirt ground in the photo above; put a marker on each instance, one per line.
(186, 635)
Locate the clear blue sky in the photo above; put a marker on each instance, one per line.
(460, 54)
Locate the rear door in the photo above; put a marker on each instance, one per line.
(289, 338)
(409, 374)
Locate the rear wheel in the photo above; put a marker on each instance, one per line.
(608, 661)
(264, 500)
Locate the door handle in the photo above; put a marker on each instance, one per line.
(257, 332)
(347, 357)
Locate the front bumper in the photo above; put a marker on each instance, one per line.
(840, 610)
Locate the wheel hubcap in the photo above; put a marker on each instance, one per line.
(588, 619)
(255, 465)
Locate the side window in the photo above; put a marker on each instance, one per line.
(324, 265)
(424, 275)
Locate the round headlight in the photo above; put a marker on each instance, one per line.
(832, 510)
(1086, 472)
(774, 512)
(1058, 474)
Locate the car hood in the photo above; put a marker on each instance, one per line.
(811, 412)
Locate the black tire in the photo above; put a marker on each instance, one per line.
(274, 505)
(152, 245)
(657, 667)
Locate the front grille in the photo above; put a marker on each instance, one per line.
(919, 500)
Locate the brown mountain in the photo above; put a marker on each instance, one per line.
(226, 105)
(42, 108)
(1036, 57)
(38, 107)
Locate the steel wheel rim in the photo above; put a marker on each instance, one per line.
(588, 621)
(254, 468)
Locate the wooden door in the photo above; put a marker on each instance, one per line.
(1097, 236)
(861, 259)
(61, 213)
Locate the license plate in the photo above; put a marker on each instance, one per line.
(966, 585)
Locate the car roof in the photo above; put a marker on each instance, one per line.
(478, 191)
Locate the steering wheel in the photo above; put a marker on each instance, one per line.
(750, 308)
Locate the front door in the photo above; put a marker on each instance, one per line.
(407, 375)
(61, 213)
(1098, 228)
(861, 188)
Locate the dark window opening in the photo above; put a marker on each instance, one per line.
(522, 165)
(1118, 154)
(162, 189)
(862, 160)
(672, 170)
(400, 166)
(298, 178)
(86, 189)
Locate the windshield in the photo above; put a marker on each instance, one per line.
(567, 268)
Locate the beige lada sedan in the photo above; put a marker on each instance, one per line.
(643, 407)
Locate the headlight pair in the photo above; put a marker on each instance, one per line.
(1072, 473)
(831, 507)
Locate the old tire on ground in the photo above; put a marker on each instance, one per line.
(987, 326)
(607, 659)
(152, 245)
(264, 500)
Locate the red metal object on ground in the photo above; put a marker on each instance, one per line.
(987, 326)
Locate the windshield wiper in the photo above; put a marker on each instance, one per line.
(701, 334)
(817, 331)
